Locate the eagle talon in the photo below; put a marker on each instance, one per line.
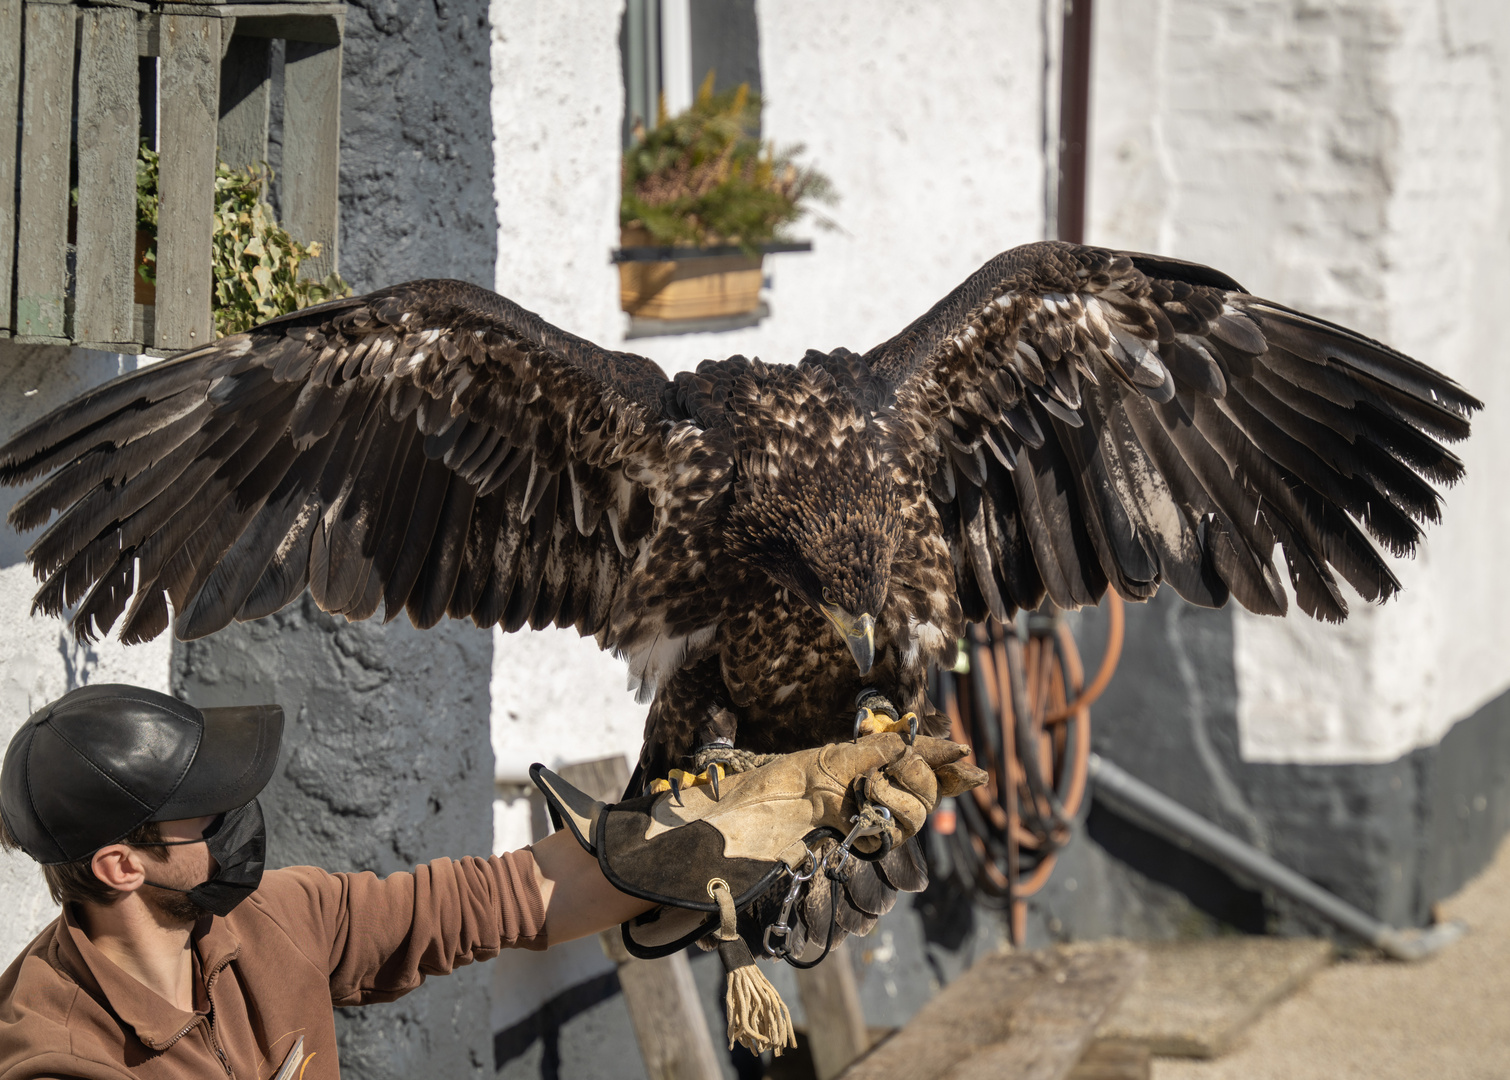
(678, 779)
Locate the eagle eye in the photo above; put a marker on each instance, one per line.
(826, 598)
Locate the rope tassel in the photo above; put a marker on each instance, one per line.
(758, 1017)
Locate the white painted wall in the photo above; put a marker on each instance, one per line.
(1351, 159)
(933, 140)
(39, 660)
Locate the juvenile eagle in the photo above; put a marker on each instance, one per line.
(759, 541)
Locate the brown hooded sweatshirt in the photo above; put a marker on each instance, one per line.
(266, 975)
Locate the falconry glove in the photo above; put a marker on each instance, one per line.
(704, 857)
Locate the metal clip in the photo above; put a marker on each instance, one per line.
(865, 824)
(782, 928)
(870, 821)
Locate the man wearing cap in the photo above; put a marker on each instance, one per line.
(175, 955)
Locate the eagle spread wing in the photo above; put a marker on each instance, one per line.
(1090, 417)
(431, 448)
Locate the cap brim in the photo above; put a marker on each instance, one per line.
(234, 762)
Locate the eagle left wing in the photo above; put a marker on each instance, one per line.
(1091, 418)
(430, 448)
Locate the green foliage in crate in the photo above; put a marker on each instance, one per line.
(702, 177)
(256, 261)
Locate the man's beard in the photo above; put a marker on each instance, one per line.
(177, 906)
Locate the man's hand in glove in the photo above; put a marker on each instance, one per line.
(668, 850)
(704, 858)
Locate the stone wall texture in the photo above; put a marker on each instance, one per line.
(386, 760)
(1349, 159)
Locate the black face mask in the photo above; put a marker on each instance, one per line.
(238, 841)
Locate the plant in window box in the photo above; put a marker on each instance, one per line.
(702, 185)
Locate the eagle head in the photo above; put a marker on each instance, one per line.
(828, 536)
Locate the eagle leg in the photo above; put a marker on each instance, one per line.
(875, 713)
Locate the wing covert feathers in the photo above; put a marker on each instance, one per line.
(1093, 418)
(430, 448)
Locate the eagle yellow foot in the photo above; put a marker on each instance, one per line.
(868, 722)
(876, 714)
(677, 779)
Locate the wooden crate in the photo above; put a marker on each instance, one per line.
(210, 85)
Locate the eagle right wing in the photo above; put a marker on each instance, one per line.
(1091, 418)
(430, 447)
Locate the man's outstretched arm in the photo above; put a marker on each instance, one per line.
(578, 899)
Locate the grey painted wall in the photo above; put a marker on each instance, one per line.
(386, 759)
(385, 764)
(417, 143)
(1391, 838)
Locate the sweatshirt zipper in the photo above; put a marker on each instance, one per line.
(209, 991)
(181, 1034)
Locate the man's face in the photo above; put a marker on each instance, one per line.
(187, 865)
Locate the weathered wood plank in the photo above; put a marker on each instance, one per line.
(970, 1013)
(1198, 997)
(1113, 1059)
(668, 1018)
(311, 149)
(42, 220)
(1013, 1016)
(245, 94)
(106, 229)
(10, 105)
(1056, 1022)
(190, 88)
(602, 778)
(836, 1033)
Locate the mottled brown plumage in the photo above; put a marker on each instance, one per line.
(1069, 419)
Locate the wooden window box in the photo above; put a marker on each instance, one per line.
(210, 86)
(677, 283)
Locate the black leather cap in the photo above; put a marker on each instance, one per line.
(101, 760)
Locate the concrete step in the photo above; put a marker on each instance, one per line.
(1197, 997)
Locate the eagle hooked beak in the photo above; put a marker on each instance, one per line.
(858, 633)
